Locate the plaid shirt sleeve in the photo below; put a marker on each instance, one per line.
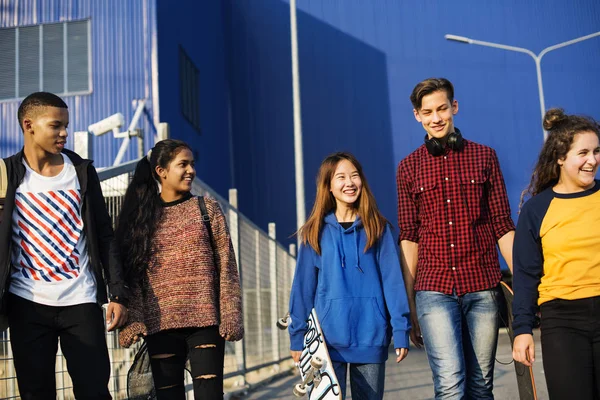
(499, 206)
(408, 220)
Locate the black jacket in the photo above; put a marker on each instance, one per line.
(104, 256)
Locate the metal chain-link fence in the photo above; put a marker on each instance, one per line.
(266, 269)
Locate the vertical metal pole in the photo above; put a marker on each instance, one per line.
(10, 369)
(140, 140)
(538, 70)
(292, 266)
(17, 55)
(65, 58)
(234, 231)
(60, 375)
(273, 288)
(83, 144)
(259, 317)
(298, 154)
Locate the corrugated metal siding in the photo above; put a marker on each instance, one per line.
(122, 34)
(359, 61)
(199, 33)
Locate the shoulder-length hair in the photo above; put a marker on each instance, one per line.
(372, 220)
(562, 129)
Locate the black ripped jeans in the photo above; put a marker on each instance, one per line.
(205, 349)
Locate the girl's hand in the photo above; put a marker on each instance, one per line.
(136, 338)
(296, 356)
(524, 349)
(401, 353)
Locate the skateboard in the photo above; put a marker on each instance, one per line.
(525, 381)
(316, 370)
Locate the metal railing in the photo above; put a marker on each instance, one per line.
(266, 270)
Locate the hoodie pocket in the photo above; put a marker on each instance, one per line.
(354, 322)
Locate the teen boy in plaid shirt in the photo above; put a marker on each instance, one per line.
(452, 210)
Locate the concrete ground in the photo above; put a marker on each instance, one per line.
(411, 379)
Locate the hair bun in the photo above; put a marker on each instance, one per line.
(553, 117)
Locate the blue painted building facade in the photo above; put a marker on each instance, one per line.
(358, 64)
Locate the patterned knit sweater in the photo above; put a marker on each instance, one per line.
(182, 286)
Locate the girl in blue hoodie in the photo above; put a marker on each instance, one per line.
(348, 271)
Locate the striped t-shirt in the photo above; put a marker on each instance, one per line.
(49, 251)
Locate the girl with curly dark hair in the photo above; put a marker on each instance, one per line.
(556, 259)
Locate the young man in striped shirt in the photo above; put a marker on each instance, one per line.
(452, 211)
(55, 252)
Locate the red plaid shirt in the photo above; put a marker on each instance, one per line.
(456, 208)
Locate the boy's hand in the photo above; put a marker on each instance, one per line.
(116, 316)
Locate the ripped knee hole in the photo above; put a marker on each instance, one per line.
(166, 387)
(206, 346)
(210, 376)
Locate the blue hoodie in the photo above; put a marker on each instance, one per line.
(359, 297)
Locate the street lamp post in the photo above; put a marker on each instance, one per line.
(298, 152)
(536, 58)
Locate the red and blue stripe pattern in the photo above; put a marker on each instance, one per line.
(49, 228)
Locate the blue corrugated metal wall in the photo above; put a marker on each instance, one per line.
(359, 62)
(198, 28)
(122, 34)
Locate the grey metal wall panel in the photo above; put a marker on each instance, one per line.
(122, 36)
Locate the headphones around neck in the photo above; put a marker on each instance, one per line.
(455, 142)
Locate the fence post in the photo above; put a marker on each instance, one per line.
(10, 368)
(234, 232)
(259, 314)
(273, 285)
(140, 144)
(292, 266)
(60, 377)
(83, 144)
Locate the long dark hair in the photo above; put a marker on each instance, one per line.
(373, 221)
(562, 129)
(142, 208)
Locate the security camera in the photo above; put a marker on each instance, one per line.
(111, 123)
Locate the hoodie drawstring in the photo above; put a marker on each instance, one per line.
(341, 249)
(356, 239)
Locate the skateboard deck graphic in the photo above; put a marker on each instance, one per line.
(525, 381)
(316, 371)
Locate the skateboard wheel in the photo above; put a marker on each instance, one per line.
(316, 362)
(299, 390)
(282, 323)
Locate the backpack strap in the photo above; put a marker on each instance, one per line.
(3, 183)
(206, 220)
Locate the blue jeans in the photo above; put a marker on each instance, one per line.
(460, 335)
(366, 380)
